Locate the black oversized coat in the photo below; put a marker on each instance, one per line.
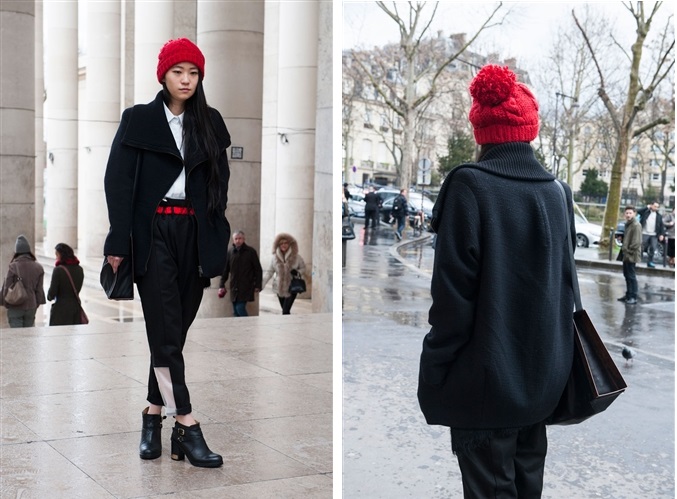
(66, 308)
(145, 139)
(244, 270)
(500, 347)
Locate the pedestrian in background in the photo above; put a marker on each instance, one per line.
(371, 208)
(346, 192)
(500, 348)
(286, 259)
(400, 211)
(631, 254)
(25, 267)
(66, 308)
(244, 270)
(176, 145)
(653, 231)
(669, 224)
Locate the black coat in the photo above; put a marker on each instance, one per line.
(372, 201)
(644, 214)
(500, 348)
(144, 136)
(66, 309)
(245, 272)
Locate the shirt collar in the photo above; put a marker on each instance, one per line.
(171, 116)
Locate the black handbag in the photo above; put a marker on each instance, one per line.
(119, 285)
(297, 284)
(595, 381)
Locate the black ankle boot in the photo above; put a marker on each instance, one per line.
(188, 441)
(151, 441)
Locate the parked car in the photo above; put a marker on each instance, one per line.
(387, 208)
(416, 199)
(586, 233)
(356, 208)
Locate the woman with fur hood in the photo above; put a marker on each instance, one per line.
(285, 259)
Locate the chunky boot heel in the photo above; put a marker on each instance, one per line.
(177, 453)
(188, 441)
(151, 438)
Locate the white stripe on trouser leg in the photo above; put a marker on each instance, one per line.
(164, 381)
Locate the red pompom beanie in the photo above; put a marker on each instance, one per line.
(503, 109)
(176, 51)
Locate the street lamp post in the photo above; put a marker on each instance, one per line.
(555, 156)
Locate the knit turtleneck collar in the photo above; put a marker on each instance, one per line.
(513, 160)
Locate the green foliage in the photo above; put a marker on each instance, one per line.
(593, 186)
(460, 149)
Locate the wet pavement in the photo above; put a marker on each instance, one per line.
(390, 452)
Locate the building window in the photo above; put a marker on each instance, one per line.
(655, 176)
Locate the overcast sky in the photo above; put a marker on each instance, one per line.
(526, 33)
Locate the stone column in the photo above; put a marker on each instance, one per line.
(61, 122)
(102, 117)
(290, 94)
(17, 128)
(323, 232)
(154, 25)
(40, 146)
(230, 34)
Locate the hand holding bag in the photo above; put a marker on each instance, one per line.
(595, 381)
(83, 316)
(297, 285)
(118, 285)
(16, 294)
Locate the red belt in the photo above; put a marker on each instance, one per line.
(175, 210)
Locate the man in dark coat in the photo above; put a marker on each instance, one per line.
(245, 272)
(500, 347)
(631, 253)
(371, 207)
(400, 212)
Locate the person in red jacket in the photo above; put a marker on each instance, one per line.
(500, 347)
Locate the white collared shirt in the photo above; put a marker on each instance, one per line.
(178, 189)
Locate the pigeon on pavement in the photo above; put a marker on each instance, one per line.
(628, 354)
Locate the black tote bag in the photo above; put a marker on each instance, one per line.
(595, 381)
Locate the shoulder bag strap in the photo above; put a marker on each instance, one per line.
(77, 295)
(574, 275)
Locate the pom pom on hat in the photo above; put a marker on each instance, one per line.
(22, 245)
(176, 51)
(503, 110)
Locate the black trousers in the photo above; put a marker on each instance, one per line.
(505, 466)
(286, 303)
(630, 274)
(170, 292)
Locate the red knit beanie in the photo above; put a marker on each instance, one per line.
(503, 110)
(176, 51)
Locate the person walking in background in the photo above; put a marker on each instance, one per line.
(244, 270)
(66, 308)
(176, 147)
(652, 230)
(371, 208)
(631, 254)
(400, 212)
(346, 192)
(500, 347)
(286, 259)
(24, 267)
(669, 224)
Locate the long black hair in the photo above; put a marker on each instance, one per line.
(65, 251)
(198, 131)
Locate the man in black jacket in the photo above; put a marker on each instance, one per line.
(653, 230)
(244, 269)
(500, 347)
(372, 202)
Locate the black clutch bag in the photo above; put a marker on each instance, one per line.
(119, 285)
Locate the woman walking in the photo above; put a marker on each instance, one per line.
(66, 308)
(286, 260)
(166, 183)
(24, 267)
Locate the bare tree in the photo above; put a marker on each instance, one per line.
(406, 75)
(640, 90)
